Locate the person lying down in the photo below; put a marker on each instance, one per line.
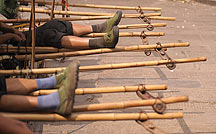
(65, 34)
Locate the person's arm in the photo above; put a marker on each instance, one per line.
(7, 29)
(11, 126)
(9, 36)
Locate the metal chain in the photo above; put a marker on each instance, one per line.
(145, 19)
(145, 42)
(171, 65)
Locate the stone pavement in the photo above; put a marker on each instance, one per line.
(195, 24)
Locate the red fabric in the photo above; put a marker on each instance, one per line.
(65, 2)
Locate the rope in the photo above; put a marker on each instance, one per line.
(143, 18)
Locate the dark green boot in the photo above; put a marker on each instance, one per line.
(109, 24)
(60, 77)
(67, 90)
(111, 38)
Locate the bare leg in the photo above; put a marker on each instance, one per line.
(17, 103)
(20, 86)
(79, 29)
(109, 40)
(11, 126)
(99, 28)
(73, 42)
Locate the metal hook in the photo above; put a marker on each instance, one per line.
(159, 107)
(171, 65)
(145, 42)
(150, 27)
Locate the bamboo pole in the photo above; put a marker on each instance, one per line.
(127, 34)
(130, 26)
(139, 64)
(82, 91)
(14, 49)
(80, 19)
(102, 50)
(103, 67)
(92, 117)
(128, 104)
(24, 9)
(33, 33)
(98, 6)
(52, 10)
(38, 50)
(63, 7)
(162, 18)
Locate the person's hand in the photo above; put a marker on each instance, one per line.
(14, 37)
(20, 35)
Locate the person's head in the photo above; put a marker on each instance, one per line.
(9, 8)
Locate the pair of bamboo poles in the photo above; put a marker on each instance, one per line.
(118, 105)
(109, 106)
(96, 6)
(91, 117)
(80, 19)
(68, 53)
(89, 15)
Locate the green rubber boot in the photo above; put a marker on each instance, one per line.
(114, 21)
(111, 38)
(67, 90)
(109, 24)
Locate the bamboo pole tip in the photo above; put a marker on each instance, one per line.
(165, 86)
(178, 115)
(162, 33)
(185, 98)
(203, 58)
(187, 44)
